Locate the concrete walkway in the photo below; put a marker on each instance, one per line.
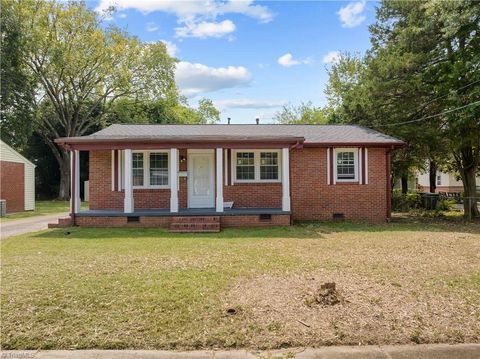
(25, 225)
(430, 351)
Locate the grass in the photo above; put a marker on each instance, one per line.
(146, 288)
(42, 208)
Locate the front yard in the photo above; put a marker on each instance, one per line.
(120, 288)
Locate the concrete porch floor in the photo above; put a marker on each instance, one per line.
(181, 212)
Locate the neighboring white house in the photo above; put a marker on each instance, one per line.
(17, 184)
(446, 182)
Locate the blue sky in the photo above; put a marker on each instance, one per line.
(249, 57)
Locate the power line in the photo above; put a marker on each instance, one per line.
(431, 116)
(456, 90)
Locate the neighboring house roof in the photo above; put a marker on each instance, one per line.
(307, 134)
(8, 154)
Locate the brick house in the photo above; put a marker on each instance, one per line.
(17, 180)
(205, 176)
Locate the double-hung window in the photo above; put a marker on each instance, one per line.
(245, 166)
(257, 166)
(268, 165)
(150, 169)
(346, 164)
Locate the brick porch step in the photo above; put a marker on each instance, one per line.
(62, 223)
(195, 224)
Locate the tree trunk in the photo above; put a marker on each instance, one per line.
(470, 200)
(404, 183)
(433, 176)
(64, 164)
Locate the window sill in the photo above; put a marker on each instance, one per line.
(151, 187)
(257, 182)
(346, 182)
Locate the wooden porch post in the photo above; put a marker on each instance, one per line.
(173, 180)
(128, 205)
(285, 180)
(219, 198)
(74, 181)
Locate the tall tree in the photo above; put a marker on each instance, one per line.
(420, 81)
(82, 68)
(305, 113)
(16, 90)
(443, 38)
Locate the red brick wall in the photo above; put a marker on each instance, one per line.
(254, 221)
(12, 185)
(256, 195)
(102, 196)
(164, 222)
(313, 199)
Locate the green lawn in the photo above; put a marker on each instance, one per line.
(146, 288)
(42, 208)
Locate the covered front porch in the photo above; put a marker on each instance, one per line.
(151, 184)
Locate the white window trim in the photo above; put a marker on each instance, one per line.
(146, 170)
(256, 157)
(356, 163)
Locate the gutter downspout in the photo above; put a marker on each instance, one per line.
(388, 186)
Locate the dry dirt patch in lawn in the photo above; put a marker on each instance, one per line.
(421, 287)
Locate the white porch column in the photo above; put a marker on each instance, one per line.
(173, 180)
(74, 181)
(219, 199)
(128, 204)
(285, 179)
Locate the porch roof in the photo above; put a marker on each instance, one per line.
(157, 136)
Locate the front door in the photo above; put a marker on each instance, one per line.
(201, 189)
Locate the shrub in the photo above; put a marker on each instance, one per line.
(405, 202)
(445, 204)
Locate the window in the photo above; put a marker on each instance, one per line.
(150, 169)
(269, 165)
(439, 180)
(346, 165)
(158, 169)
(137, 168)
(245, 166)
(257, 166)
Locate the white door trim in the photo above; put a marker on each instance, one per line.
(208, 202)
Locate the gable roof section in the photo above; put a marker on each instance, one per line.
(8, 154)
(309, 135)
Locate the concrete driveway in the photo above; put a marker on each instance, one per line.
(26, 225)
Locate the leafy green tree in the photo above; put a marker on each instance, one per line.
(305, 113)
(207, 113)
(16, 90)
(162, 111)
(441, 39)
(82, 69)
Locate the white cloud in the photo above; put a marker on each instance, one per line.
(287, 60)
(192, 8)
(247, 103)
(194, 79)
(172, 49)
(352, 14)
(122, 15)
(331, 57)
(151, 27)
(205, 29)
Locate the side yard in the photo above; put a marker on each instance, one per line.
(404, 282)
(41, 208)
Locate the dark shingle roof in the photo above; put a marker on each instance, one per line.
(312, 134)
